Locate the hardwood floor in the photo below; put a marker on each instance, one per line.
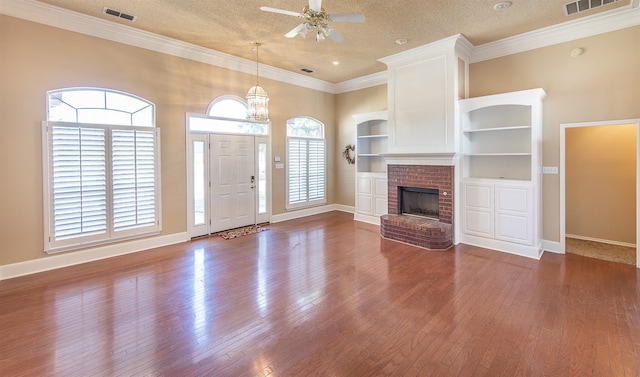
(323, 296)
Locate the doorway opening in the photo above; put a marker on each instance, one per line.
(599, 190)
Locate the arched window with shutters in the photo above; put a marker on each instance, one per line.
(101, 168)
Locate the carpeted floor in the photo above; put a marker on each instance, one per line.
(603, 251)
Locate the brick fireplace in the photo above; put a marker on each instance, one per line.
(415, 230)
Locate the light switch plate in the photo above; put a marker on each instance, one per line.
(276, 159)
(279, 166)
(549, 170)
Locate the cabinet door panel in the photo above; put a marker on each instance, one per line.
(513, 199)
(364, 204)
(364, 185)
(513, 228)
(380, 206)
(479, 196)
(479, 223)
(380, 186)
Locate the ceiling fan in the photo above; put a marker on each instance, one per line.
(316, 21)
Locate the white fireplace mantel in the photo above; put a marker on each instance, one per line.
(439, 159)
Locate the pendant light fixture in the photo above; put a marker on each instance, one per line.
(257, 98)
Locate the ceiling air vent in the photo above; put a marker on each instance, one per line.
(306, 70)
(118, 14)
(582, 5)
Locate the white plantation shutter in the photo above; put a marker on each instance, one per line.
(134, 180)
(306, 172)
(316, 169)
(79, 182)
(103, 183)
(297, 173)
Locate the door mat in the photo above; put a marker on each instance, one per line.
(239, 232)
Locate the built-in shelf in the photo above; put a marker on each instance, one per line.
(381, 136)
(497, 129)
(501, 170)
(371, 169)
(498, 154)
(499, 137)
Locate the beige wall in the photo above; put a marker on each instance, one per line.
(600, 179)
(348, 104)
(36, 58)
(602, 84)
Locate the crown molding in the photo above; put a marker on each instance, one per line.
(458, 42)
(363, 82)
(35, 11)
(31, 10)
(616, 19)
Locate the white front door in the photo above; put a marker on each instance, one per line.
(233, 182)
(227, 181)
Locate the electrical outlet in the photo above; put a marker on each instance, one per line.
(549, 170)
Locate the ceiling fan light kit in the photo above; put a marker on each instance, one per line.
(316, 21)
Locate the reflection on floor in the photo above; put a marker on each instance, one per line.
(603, 251)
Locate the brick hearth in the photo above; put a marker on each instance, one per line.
(425, 232)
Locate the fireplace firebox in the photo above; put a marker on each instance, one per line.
(418, 201)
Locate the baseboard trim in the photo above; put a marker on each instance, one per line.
(375, 220)
(343, 208)
(292, 215)
(610, 242)
(552, 247)
(534, 252)
(89, 255)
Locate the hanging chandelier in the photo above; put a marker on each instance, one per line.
(257, 98)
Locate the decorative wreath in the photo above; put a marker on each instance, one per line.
(349, 154)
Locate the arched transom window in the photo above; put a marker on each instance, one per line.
(227, 114)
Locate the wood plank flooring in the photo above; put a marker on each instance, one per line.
(323, 296)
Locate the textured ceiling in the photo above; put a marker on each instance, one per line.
(232, 27)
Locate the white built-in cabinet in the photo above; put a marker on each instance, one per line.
(501, 199)
(371, 173)
(424, 85)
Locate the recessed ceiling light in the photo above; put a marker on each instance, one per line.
(401, 41)
(335, 62)
(502, 5)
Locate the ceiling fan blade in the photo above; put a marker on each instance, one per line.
(335, 36)
(295, 31)
(346, 17)
(316, 5)
(281, 11)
